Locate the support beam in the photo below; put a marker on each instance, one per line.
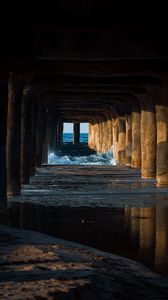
(148, 139)
(136, 139)
(128, 139)
(3, 131)
(76, 132)
(121, 141)
(162, 141)
(25, 137)
(15, 89)
(115, 139)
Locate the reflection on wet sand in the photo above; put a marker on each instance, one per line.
(137, 233)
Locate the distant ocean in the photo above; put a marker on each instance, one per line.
(68, 137)
(94, 159)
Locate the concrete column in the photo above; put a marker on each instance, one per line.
(76, 133)
(162, 142)
(128, 139)
(148, 139)
(96, 136)
(53, 144)
(33, 139)
(59, 133)
(109, 134)
(104, 137)
(121, 141)
(115, 140)
(40, 135)
(14, 136)
(3, 129)
(136, 139)
(25, 137)
(46, 138)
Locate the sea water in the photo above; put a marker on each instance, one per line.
(94, 159)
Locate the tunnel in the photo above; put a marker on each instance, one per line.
(76, 68)
(123, 98)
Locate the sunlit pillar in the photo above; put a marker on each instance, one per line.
(115, 140)
(136, 139)
(128, 139)
(148, 139)
(121, 141)
(162, 141)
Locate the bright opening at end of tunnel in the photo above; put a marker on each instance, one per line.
(75, 150)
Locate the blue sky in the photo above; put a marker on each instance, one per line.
(68, 127)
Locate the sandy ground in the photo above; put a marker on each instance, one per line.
(37, 266)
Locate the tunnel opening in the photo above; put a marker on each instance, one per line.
(75, 147)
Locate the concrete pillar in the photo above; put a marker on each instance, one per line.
(59, 133)
(33, 139)
(148, 139)
(91, 135)
(109, 134)
(96, 136)
(3, 129)
(128, 139)
(104, 137)
(25, 137)
(162, 142)
(40, 135)
(115, 139)
(136, 139)
(121, 141)
(76, 133)
(53, 144)
(14, 136)
(46, 138)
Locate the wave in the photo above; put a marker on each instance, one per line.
(94, 159)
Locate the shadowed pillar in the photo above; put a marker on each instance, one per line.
(128, 139)
(40, 134)
(148, 139)
(162, 141)
(136, 140)
(3, 125)
(25, 136)
(59, 133)
(121, 142)
(33, 138)
(76, 133)
(14, 136)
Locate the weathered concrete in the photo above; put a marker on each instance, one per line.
(162, 141)
(34, 265)
(26, 131)
(14, 136)
(148, 138)
(136, 140)
(121, 141)
(115, 140)
(3, 129)
(128, 139)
